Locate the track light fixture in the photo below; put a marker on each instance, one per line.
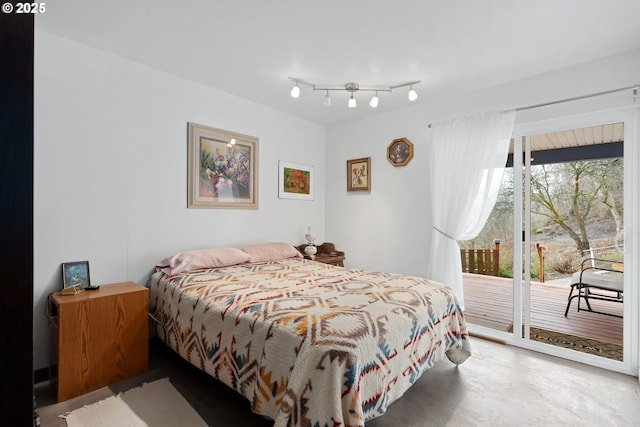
(352, 88)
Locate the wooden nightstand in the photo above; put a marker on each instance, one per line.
(102, 337)
(326, 254)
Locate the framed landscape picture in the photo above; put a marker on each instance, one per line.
(295, 181)
(359, 174)
(222, 169)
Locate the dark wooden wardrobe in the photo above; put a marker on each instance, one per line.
(16, 218)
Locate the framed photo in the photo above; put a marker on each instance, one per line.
(222, 169)
(75, 274)
(359, 174)
(400, 152)
(295, 181)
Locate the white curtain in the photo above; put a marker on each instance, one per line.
(466, 162)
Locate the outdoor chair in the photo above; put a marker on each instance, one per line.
(598, 279)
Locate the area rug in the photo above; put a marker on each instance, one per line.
(585, 345)
(154, 404)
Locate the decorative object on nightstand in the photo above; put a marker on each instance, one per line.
(102, 337)
(326, 253)
(310, 249)
(75, 277)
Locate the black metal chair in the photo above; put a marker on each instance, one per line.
(598, 279)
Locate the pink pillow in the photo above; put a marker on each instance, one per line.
(202, 258)
(274, 251)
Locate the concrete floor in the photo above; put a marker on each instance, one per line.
(499, 385)
(503, 385)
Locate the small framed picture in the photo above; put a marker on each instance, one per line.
(295, 181)
(75, 274)
(400, 152)
(359, 174)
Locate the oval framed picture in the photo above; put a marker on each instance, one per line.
(400, 152)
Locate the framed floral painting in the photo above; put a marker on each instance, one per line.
(359, 174)
(295, 181)
(222, 169)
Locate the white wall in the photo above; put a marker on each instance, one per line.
(389, 229)
(110, 161)
(110, 170)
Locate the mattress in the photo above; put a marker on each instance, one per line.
(309, 344)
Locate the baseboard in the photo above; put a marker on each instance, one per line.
(486, 337)
(42, 375)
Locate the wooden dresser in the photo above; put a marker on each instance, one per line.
(326, 254)
(101, 337)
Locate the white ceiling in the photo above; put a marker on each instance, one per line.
(249, 48)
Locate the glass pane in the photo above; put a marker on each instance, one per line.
(576, 220)
(488, 265)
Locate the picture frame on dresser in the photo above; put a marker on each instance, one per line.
(359, 174)
(222, 169)
(75, 277)
(76, 273)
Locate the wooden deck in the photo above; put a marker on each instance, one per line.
(488, 302)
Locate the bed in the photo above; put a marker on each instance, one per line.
(308, 344)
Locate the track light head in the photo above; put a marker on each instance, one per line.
(412, 94)
(374, 101)
(327, 100)
(295, 92)
(352, 102)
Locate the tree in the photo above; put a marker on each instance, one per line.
(566, 193)
(612, 177)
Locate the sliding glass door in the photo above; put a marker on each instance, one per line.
(574, 224)
(572, 209)
(574, 201)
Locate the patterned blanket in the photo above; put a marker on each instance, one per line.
(310, 344)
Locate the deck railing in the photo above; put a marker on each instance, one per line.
(481, 261)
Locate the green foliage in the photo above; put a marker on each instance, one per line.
(506, 271)
(535, 268)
